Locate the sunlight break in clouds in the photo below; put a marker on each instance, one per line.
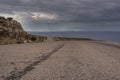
(38, 15)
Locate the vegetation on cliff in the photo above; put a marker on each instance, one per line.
(11, 31)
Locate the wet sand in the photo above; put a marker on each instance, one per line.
(69, 60)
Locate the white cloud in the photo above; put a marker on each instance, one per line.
(41, 15)
(16, 15)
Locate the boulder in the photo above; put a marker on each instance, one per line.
(11, 31)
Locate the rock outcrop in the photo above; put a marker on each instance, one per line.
(11, 31)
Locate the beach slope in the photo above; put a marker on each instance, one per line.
(60, 60)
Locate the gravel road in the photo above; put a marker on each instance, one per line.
(69, 60)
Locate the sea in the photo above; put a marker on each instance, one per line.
(97, 35)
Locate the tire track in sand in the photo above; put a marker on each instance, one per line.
(16, 75)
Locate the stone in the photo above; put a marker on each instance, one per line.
(11, 31)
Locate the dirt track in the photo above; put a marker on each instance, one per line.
(72, 60)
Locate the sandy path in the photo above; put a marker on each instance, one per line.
(77, 60)
(15, 59)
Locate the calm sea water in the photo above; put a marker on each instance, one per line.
(98, 35)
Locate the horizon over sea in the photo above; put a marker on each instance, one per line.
(97, 35)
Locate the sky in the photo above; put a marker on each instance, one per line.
(64, 15)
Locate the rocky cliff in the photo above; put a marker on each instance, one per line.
(11, 31)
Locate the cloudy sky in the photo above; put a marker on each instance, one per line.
(64, 15)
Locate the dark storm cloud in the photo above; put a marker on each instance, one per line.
(70, 14)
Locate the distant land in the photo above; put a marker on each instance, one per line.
(97, 35)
